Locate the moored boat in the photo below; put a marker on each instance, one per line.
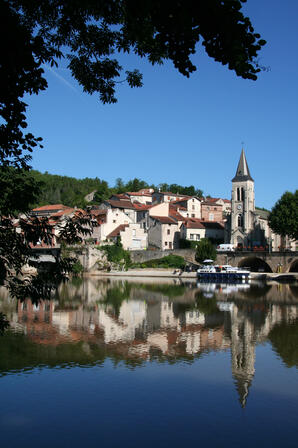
(225, 273)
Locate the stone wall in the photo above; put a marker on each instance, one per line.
(140, 256)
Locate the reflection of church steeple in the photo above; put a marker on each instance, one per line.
(243, 382)
(243, 353)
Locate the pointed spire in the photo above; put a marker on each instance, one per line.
(243, 383)
(242, 172)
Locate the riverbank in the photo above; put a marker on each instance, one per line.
(177, 273)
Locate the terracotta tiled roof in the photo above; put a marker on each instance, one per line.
(212, 199)
(139, 206)
(217, 199)
(146, 190)
(66, 211)
(212, 225)
(98, 212)
(117, 231)
(50, 207)
(120, 204)
(211, 203)
(121, 196)
(164, 219)
(173, 212)
(171, 194)
(138, 193)
(193, 224)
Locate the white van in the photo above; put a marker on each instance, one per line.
(225, 248)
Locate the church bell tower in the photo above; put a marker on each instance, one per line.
(243, 205)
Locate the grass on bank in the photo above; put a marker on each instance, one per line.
(169, 261)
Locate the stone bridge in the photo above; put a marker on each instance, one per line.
(256, 261)
(261, 261)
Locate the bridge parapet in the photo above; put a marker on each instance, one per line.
(284, 261)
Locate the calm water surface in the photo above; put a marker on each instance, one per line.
(151, 364)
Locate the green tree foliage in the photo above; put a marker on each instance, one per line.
(169, 261)
(116, 254)
(283, 218)
(205, 250)
(90, 35)
(68, 190)
(179, 189)
(23, 190)
(19, 190)
(136, 185)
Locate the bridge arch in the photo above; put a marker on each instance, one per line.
(256, 264)
(294, 266)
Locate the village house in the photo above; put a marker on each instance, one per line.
(211, 211)
(226, 204)
(167, 196)
(189, 207)
(108, 220)
(132, 236)
(124, 205)
(163, 232)
(143, 196)
(196, 229)
(48, 210)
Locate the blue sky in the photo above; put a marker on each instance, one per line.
(179, 130)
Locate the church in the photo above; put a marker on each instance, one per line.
(247, 226)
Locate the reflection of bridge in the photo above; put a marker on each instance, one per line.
(261, 261)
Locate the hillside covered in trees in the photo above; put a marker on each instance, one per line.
(70, 191)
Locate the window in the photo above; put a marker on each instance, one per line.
(193, 200)
(191, 236)
(168, 232)
(134, 232)
(242, 194)
(192, 215)
(193, 207)
(198, 237)
(240, 221)
(114, 220)
(238, 194)
(166, 243)
(211, 217)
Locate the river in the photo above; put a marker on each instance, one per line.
(150, 363)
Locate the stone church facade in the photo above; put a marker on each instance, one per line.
(248, 227)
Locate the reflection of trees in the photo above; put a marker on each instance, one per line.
(4, 323)
(294, 290)
(257, 291)
(167, 290)
(284, 340)
(206, 305)
(116, 295)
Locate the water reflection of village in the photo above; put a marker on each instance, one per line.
(142, 321)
